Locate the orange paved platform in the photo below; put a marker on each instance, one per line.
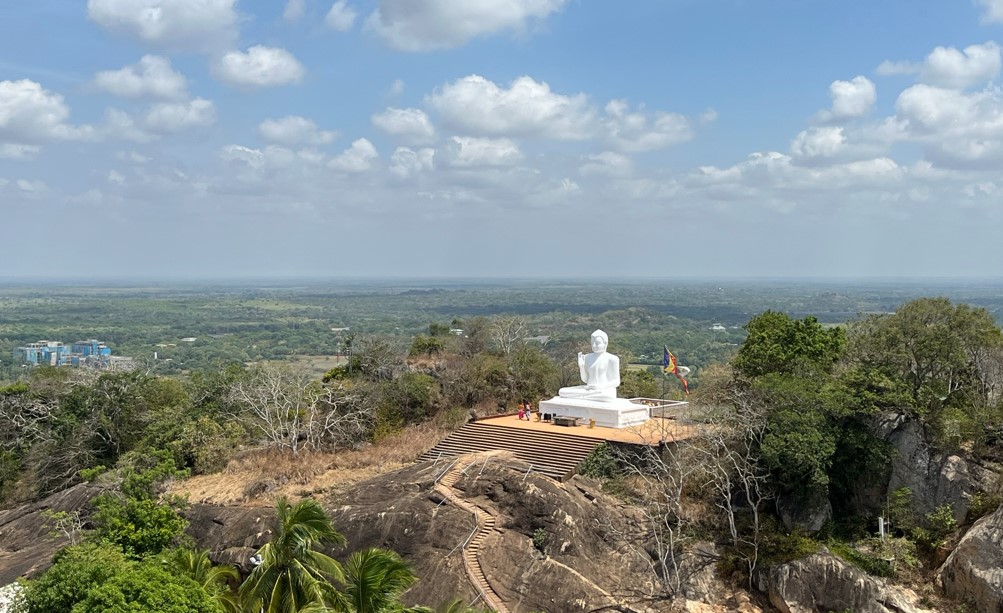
(651, 432)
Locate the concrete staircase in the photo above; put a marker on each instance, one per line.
(556, 455)
(485, 526)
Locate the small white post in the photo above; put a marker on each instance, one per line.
(881, 527)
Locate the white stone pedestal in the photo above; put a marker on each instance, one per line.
(619, 413)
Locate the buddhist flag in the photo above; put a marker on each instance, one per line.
(671, 367)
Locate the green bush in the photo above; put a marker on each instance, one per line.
(982, 504)
(870, 564)
(75, 570)
(147, 587)
(540, 539)
(601, 463)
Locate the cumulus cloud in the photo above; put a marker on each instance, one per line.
(294, 130)
(850, 99)
(889, 68)
(183, 25)
(607, 163)
(956, 126)
(633, 131)
(358, 158)
(151, 77)
(993, 10)
(341, 17)
(260, 66)
(167, 118)
(294, 10)
(825, 141)
(31, 114)
(467, 152)
(423, 25)
(951, 68)
(413, 125)
(406, 162)
(477, 106)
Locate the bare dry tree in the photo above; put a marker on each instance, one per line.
(293, 412)
(507, 331)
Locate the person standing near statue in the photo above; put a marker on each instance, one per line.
(599, 370)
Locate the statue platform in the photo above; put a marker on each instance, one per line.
(618, 413)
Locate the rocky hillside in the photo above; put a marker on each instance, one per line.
(488, 529)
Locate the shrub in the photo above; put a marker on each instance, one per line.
(74, 572)
(601, 463)
(540, 538)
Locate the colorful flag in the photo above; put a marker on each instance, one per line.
(671, 367)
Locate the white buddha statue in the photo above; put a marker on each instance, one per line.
(599, 370)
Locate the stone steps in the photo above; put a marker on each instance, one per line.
(556, 455)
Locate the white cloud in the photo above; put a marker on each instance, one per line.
(237, 153)
(260, 66)
(341, 17)
(405, 162)
(607, 163)
(466, 152)
(167, 118)
(187, 25)
(422, 25)
(396, 88)
(31, 187)
(133, 157)
(850, 99)
(640, 131)
(14, 151)
(825, 141)
(31, 114)
(475, 105)
(411, 124)
(294, 130)
(294, 10)
(152, 77)
(358, 158)
(116, 177)
(119, 124)
(994, 10)
(889, 68)
(948, 67)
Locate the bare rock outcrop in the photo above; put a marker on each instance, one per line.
(822, 582)
(935, 477)
(974, 570)
(26, 547)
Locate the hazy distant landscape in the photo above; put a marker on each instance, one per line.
(289, 320)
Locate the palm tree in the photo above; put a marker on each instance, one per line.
(375, 580)
(292, 574)
(216, 580)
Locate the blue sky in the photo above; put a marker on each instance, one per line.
(501, 138)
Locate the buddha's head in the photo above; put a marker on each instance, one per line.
(599, 341)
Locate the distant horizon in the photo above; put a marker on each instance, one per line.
(138, 280)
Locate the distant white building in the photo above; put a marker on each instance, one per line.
(718, 328)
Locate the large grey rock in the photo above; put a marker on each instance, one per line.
(935, 478)
(822, 582)
(974, 570)
(26, 546)
(809, 514)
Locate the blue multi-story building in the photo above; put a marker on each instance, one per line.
(55, 353)
(90, 347)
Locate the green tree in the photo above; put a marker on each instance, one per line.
(375, 579)
(936, 350)
(293, 573)
(778, 344)
(74, 571)
(214, 579)
(426, 345)
(148, 586)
